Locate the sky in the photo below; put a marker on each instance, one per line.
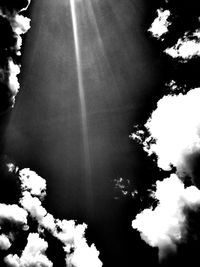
(99, 133)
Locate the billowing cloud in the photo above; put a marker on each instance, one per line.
(160, 25)
(82, 253)
(174, 131)
(172, 134)
(4, 242)
(32, 182)
(33, 254)
(20, 25)
(12, 26)
(13, 213)
(12, 218)
(186, 47)
(70, 234)
(33, 205)
(164, 227)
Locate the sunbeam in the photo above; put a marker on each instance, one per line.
(87, 163)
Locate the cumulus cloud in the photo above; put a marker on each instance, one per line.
(33, 254)
(81, 255)
(32, 182)
(160, 25)
(12, 217)
(186, 47)
(13, 71)
(164, 226)
(33, 205)
(71, 235)
(13, 213)
(12, 25)
(4, 242)
(172, 134)
(174, 131)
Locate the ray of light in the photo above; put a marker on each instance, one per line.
(81, 92)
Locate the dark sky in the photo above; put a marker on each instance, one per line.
(122, 72)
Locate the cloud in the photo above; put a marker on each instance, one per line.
(172, 134)
(164, 227)
(160, 25)
(13, 71)
(32, 182)
(33, 254)
(13, 213)
(70, 234)
(186, 47)
(174, 131)
(123, 188)
(33, 205)
(20, 25)
(84, 256)
(12, 25)
(4, 242)
(11, 6)
(12, 218)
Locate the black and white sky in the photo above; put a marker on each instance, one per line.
(99, 133)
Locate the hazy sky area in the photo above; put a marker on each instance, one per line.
(44, 132)
(87, 80)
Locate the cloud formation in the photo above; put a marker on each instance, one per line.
(32, 182)
(4, 242)
(164, 227)
(160, 25)
(70, 234)
(32, 255)
(186, 47)
(172, 134)
(12, 26)
(174, 131)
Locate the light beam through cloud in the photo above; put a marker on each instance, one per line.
(87, 163)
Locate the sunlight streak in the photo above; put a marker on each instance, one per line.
(87, 162)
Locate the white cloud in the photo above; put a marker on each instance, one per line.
(14, 70)
(33, 254)
(160, 25)
(163, 227)
(84, 256)
(20, 25)
(174, 129)
(72, 236)
(4, 242)
(48, 222)
(32, 182)
(33, 205)
(186, 47)
(13, 213)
